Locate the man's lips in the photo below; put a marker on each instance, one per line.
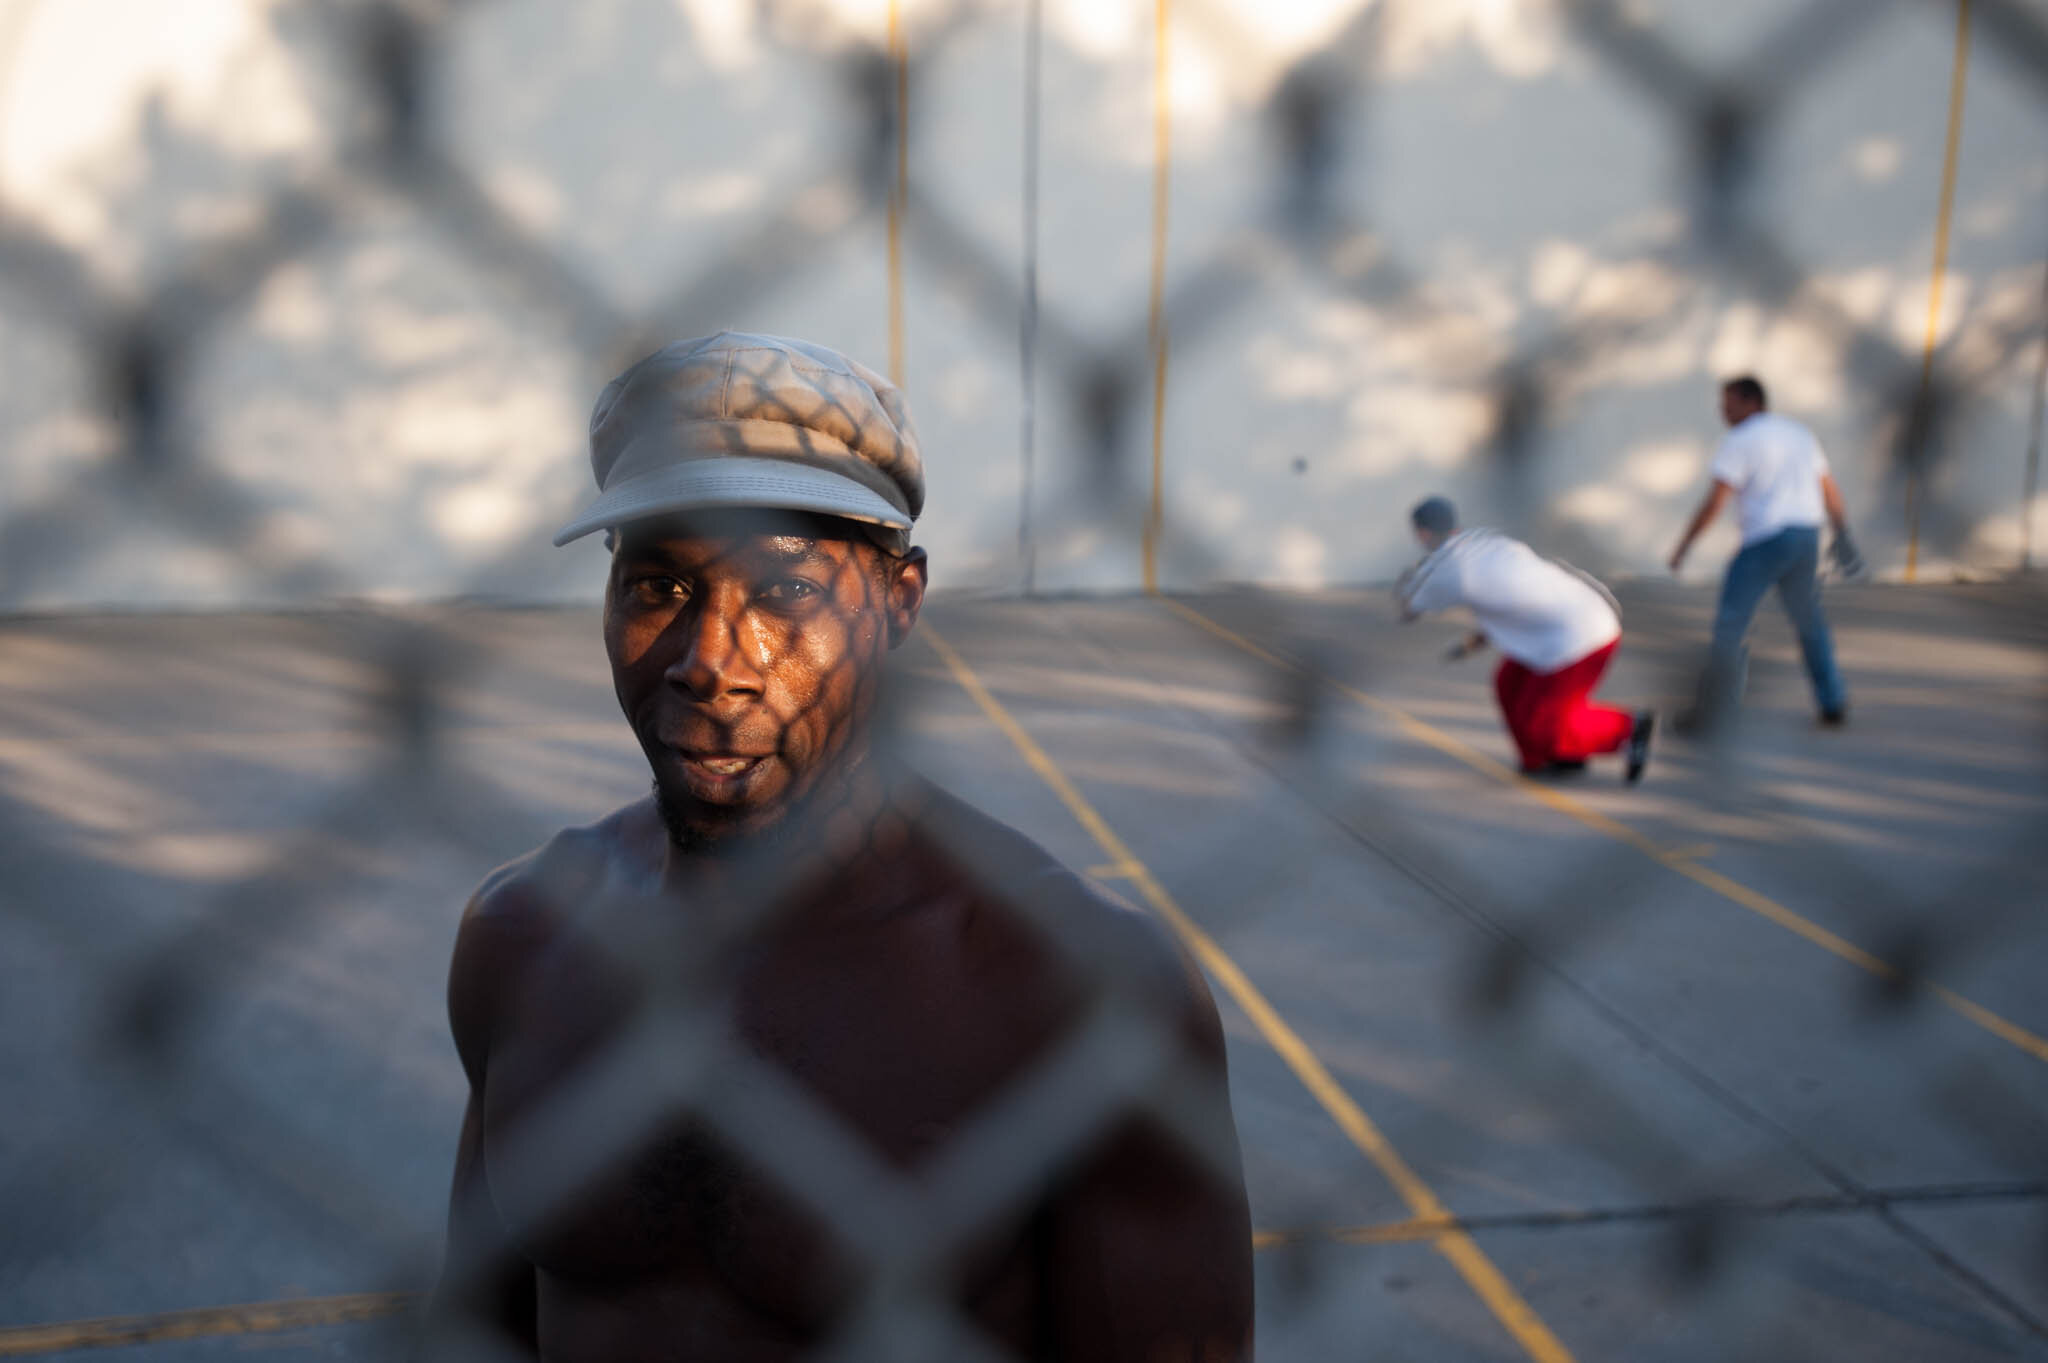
(719, 776)
(721, 763)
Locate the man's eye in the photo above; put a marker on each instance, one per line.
(788, 592)
(655, 590)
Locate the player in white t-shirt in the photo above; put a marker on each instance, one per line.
(1556, 627)
(1774, 469)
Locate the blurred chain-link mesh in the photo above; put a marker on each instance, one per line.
(145, 335)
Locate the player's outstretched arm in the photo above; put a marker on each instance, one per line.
(1710, 507)
(1426, 588)
(1402, 586)
(1149, 1247)
(1831, 498)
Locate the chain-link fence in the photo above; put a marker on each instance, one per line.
(685, 1091)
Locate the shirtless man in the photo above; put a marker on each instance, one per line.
(736, 1051)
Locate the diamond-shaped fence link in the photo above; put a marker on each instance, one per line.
(664, 1089)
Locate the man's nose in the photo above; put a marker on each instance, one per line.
(715, 663)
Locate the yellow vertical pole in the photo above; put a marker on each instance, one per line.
(1162, 148)
(1944, 213)
(899, 190)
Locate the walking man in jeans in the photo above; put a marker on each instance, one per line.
(1774, 469)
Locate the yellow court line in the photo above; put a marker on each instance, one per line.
(1680, 859)
(1448, 1240)
(1944, 214)
(253, 1318)
(1162, 166)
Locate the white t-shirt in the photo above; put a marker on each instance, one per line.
(1542, 613)
(1775, 465)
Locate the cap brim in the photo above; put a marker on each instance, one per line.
(734, 482)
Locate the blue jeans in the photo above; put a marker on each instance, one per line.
(1788, 560)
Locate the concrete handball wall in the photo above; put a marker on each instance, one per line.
(1484, 262)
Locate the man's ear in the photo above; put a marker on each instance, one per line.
(906, 595)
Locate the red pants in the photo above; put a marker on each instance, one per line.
(1550, 717)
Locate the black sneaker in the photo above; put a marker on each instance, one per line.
(1639, 744)
(1834, 719)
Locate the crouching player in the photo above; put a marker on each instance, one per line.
(1555, 627)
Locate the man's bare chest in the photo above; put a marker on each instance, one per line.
(720, 1119)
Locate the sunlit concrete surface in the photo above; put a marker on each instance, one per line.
(1643, 1043)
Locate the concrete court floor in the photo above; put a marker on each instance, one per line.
(1629, 1037)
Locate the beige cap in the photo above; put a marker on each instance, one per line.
(738, 420)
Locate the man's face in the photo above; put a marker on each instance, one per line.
(1735, 408)
(746, 649)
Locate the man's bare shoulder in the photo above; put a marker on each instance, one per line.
(543, 886)
(522, 907)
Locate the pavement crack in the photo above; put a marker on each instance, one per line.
(1875, 1200)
